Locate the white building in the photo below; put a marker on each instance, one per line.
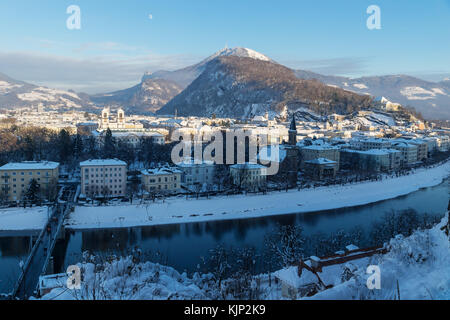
(103, 178)
(119, 123)
(134, 138)
(197, 173)
(248, 175)
(409, 152)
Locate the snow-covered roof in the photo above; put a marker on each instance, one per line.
(160, 171)
(321, 161)
(103, 162)
(247, 165)
(189, 162)
(321, 147)
(30, 165)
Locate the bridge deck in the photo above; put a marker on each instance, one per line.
(42, 250)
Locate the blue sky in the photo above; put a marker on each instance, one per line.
(118, 41)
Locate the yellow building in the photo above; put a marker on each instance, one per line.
(15, 179)
(161, 180)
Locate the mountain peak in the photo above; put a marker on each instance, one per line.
(239, 52)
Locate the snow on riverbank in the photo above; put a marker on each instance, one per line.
(180, 210)
(20, 219)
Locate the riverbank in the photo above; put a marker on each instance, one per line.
(180, 210)
(23, 219)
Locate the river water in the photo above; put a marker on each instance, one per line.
(182, 246)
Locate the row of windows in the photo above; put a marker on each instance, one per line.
(97, 181)
(99, 188)
(30, 173)
(106, 175)
(166, 187)
(166, 179)
(101, 169)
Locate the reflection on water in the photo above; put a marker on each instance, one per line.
(183, 245)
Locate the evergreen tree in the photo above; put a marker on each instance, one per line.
(64, 146)
(32, 193)
(109, 145)
(78, 147)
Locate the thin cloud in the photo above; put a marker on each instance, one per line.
(97, 74)
(335, 66)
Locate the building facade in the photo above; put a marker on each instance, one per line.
(197, 173)
(15, 179)
(103, 178)
(320, 151)
(321, 168)
(248, 175)
(161, 180)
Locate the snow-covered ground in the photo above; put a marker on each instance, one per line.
(417, 267)
(180, 210)
(420, 264)
(19, 219)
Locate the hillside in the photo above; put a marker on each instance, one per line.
(16, 94)
(429, 98)
(146, 97)
(232, 86)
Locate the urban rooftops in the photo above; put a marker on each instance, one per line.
(31, 165)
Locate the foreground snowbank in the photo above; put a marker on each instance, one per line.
(21, 219)
(180, 210)
(416, 268)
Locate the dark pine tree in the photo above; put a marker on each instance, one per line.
(109, 147)
(64, 146)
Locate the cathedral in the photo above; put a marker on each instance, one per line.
(117, 123)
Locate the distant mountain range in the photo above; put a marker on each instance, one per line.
(429, 98)
(240, 82)
(14, 93)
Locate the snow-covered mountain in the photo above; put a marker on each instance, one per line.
(158, 88)
(429, 98)
(243, 87)
(185, 76)
(148, 96)
(16, 94)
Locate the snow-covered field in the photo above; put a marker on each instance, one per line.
(416, 267)
(19, 219)
(180, 210)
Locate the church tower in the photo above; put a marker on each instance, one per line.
(293, 132)
(105, 119)
(292, 155)
(120, 119)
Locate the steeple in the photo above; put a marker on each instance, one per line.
(293, 126)
(293, 132)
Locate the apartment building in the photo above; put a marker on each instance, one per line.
(371, 144)
(320, 151)
(248, 175)
(106, 177)
(161, 180)
(319, 169)
(408, 152)
(443, 143)
(197, 173)
(15, 179)
(422, 147)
